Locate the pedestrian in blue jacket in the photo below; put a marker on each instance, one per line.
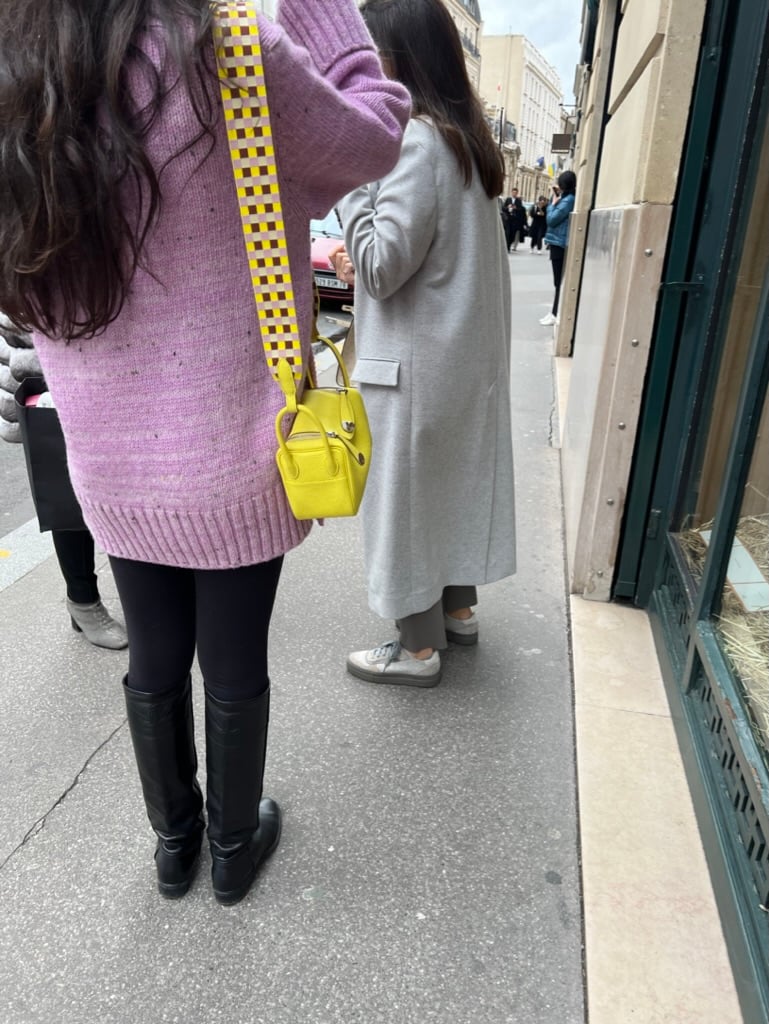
(557, 236)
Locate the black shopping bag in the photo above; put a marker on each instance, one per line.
(55, 502)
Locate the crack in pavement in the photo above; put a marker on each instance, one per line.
(39, 825)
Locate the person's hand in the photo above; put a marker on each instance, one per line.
(342, 264)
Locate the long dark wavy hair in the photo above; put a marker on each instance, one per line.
(420, 47)
(71, 145)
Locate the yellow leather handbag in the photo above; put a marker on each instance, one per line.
(324, 459)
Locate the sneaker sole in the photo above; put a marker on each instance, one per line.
(370, 676)
(464, 639)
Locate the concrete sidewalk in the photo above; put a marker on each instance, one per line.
(429, 869)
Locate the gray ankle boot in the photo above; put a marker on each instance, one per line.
(97, 625)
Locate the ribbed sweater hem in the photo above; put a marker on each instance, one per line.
(256, 530)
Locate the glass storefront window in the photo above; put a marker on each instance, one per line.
(742, 621)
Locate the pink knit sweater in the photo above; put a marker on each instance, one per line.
(169, 415)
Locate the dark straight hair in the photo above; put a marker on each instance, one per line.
(420, 47)
(72, 150)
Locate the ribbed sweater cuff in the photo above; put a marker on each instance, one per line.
(327, 29)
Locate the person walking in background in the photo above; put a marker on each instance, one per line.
(557, 234)
(538, 224)
(504, 212)
(119, 221)
(516, 213)
(433, 354)
(75, 551)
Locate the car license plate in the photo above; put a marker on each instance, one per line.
(331, 282)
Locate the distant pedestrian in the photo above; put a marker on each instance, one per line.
(516, 213)
(505, 218)
(557, 235)
(538, 224)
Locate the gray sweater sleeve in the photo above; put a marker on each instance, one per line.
(389, 227)
(18, 360)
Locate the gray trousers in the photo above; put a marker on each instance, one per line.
(425, 629)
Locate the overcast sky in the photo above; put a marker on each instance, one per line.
(553, 26)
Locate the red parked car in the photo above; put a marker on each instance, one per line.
(325, 235)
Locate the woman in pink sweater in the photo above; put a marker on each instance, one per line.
(121, 248)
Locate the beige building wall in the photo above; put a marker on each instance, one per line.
(516, 76)
(616, 252)
(467, 17)
(592, 100)
(501, 74)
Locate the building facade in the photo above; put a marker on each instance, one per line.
(467, 18)
(665, 440)
(516, 78)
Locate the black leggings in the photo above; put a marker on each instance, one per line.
(556, 258)
(77, 558)
(224, 612)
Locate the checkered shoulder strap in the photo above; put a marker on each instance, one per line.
(252, 151)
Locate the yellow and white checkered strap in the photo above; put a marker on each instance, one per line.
(252, 151)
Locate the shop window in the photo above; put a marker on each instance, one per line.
(743, 621)
(742, 617)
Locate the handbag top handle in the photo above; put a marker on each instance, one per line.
(252, 153)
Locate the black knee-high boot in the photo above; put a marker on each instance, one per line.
(164, 744)
(243, 828)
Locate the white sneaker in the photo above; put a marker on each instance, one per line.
(549, 320)
(461, 631)
(390, 663)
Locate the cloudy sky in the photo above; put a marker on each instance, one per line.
(553, 26)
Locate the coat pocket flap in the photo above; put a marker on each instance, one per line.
(377, 371)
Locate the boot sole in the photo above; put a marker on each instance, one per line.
(230, 898)
(175, 890)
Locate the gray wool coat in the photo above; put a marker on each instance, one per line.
(433, 318)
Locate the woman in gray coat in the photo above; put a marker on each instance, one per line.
(433, 345)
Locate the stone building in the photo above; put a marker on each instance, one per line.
(663, 360)
(516, 77)
(467, 17)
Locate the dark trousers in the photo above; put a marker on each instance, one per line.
(76, 557)
(556, 259)
(224, 613)
(426, 629)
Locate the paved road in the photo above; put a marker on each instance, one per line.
(429, 869)
(15, 502)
